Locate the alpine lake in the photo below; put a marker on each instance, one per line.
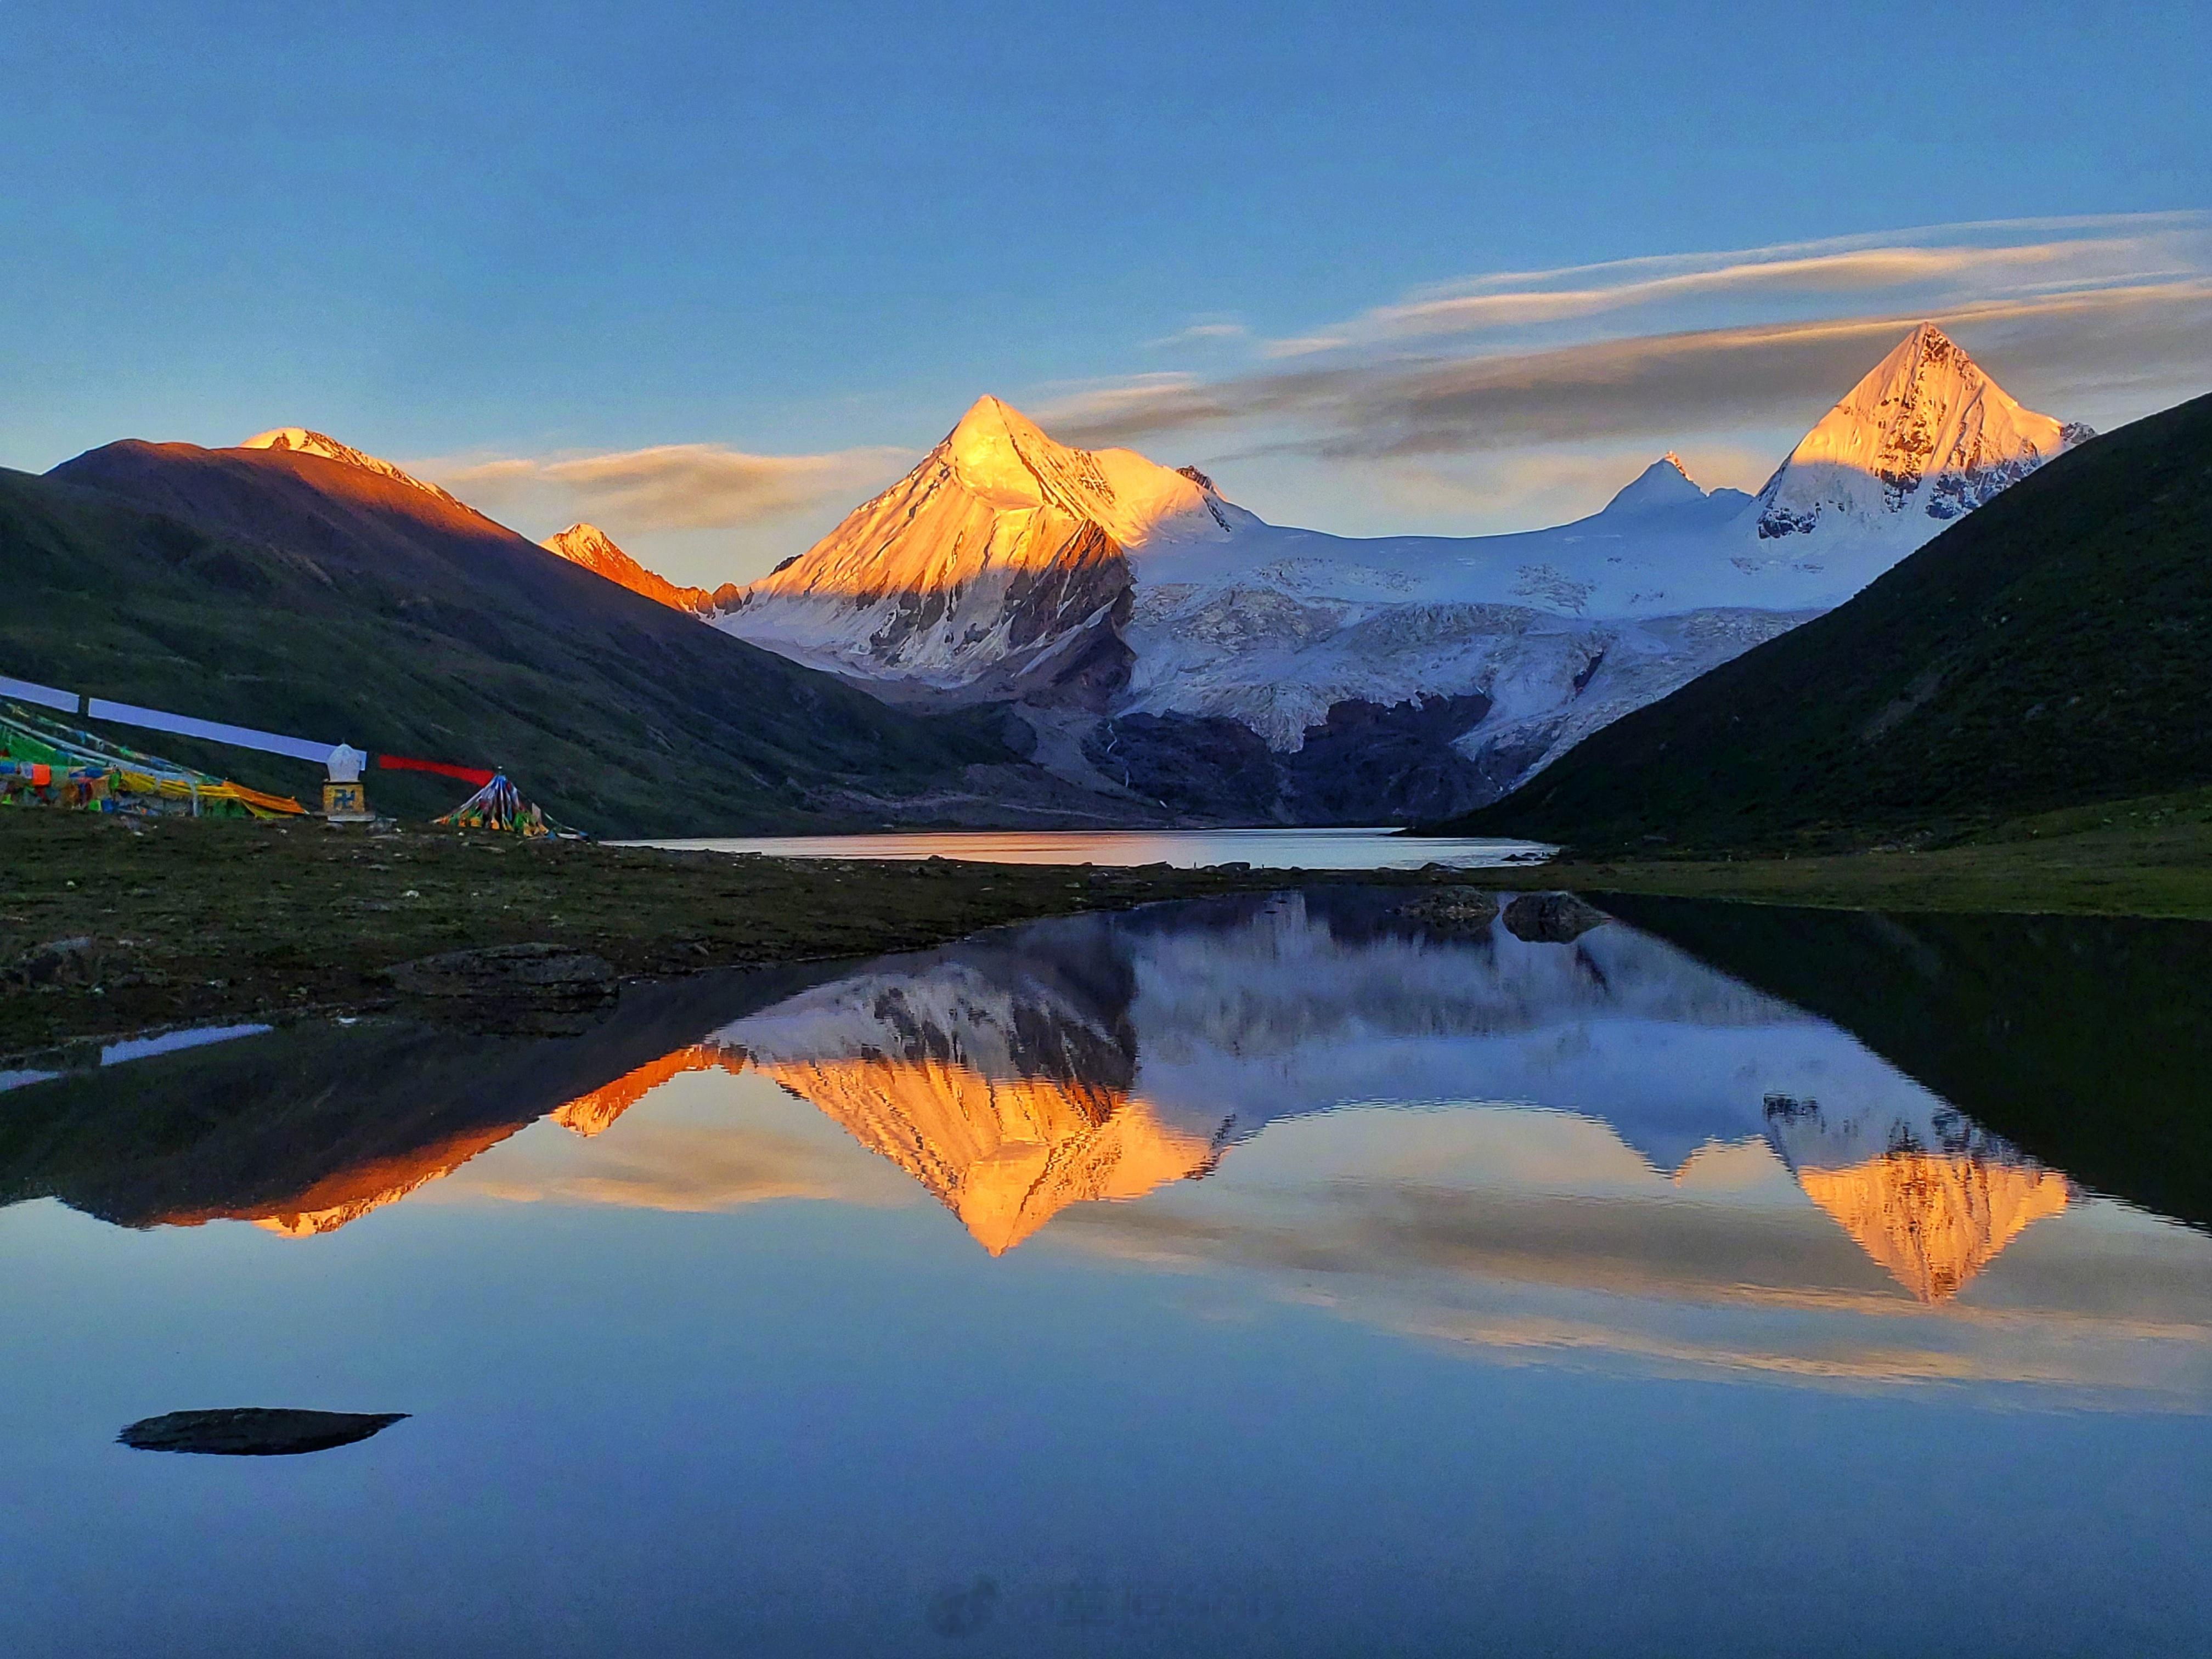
(1325, 1272)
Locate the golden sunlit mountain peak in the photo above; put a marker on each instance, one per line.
(1934, 1220)
(1004, 1154)
(304, 440)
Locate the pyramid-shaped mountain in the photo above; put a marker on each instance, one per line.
(1925, 435)
(996, 568)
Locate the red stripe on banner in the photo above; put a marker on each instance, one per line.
(475, 774)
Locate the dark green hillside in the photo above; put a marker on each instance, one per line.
(2053, 648)
(298, 595)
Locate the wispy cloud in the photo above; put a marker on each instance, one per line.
(1519, 1266)
(1505, 399)
(1664, 385)
(1942, 261)
(679, 1166)
(1199, 333)
(669, 487)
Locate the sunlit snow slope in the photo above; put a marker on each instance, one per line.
(299, 440)
(1181, 648)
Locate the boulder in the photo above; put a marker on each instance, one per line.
(58, 961)
(1551, 918)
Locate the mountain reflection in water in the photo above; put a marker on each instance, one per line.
(1294, 1275)
(1108, 1057)
(1099, 1057)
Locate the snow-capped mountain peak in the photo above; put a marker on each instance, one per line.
(993, 568)
(986, 449)
(1000, 456)
(301, 441)
(1924, 435)
(588, 545)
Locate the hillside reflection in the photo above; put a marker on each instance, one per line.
(1077, 1062)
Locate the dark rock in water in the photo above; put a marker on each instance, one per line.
(509, 970)
(1551, 918)
(1452, 912)
(254, 1431)
(963, 1609)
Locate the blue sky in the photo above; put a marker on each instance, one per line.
(711, 273)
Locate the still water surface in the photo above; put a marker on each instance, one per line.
(1288, 1275)
(1188, 849)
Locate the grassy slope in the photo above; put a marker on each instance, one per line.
(2150, 857)
(614, 711)
(2047, 651)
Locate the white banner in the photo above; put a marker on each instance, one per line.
(44, 695)
(245, 737)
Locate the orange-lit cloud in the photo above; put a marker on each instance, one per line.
(682, 1167)
(668, 487)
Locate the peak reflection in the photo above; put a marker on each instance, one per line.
(1933, 1199)
(1101, 1058)
(594, 1111)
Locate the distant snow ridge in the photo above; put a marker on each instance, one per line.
(1140, 621)
(1666, 483)
(303, 441)
(588, 545)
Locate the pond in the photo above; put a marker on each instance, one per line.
(1347, 1271)
(1188, 849)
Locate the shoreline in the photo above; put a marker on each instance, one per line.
(173, 922)
(185, 923)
